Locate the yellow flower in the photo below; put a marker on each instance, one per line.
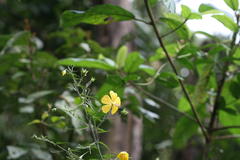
(123, 155)
(64, 72)
(110, 102)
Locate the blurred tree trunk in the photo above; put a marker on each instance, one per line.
(122, 136)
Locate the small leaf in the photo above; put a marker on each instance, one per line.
(208, 9)
(227, 22)
(100, 14)
(186, 11)
(44, 115)
(173, 22)
(87, 63)
(133, 61)
(121, 56)
(234, 88)
(232, 4)
(36, 121)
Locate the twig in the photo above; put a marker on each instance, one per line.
(227, 137)
(150, 14)
(141, 20)
(175, 29)
(224, 128)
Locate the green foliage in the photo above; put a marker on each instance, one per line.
(87, 63)
(101, 14)
(227, 22)
(47, 90)
(232, 4)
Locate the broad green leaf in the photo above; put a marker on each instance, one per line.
(234, 4)
(226, 118)
(184, 130)
(100, 14)
(148, 69)
(167, 79)
(87, 63)
(195, 16)
(207, 35)
(227, 22)
(186, 11)
(45, 59)
(236, 56)
(36, 121)
(234, 88)
(173, 22)
(8, 61)
(133, 61)
(121, 56)
(208, 9)
(183, 105)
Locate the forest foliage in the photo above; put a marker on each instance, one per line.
(59, 86)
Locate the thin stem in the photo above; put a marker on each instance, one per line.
(150, 14)
(224, 128)
(141, 20)
(174, 30)
(227, 137)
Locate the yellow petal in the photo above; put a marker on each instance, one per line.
(113, 95)
(106, 100)
(114, 109)
(123, 156)
(117, 102)
(106, 108)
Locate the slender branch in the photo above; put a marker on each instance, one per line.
(224, 128)
(175, 29)
(227, 137)
(167, 104)
(141, 20)
(196, 116)
(221, 82)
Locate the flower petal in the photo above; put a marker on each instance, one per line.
(106, 108)
(106, 99)
(117, 102)
(114, 109)
(113, 95)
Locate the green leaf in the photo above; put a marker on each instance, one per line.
(183, 105)
(207, 9)
(87, 63)
(121, 56)
(100, 14)
(184, 130)
(171, 48)
(236, 55)
(133, 61)
(36, 121)
(173, 22)
(227, 22)
(168, 79)
(195, 16)
(234, 88)
(186, 11)
(148, 69)
(232, 4)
